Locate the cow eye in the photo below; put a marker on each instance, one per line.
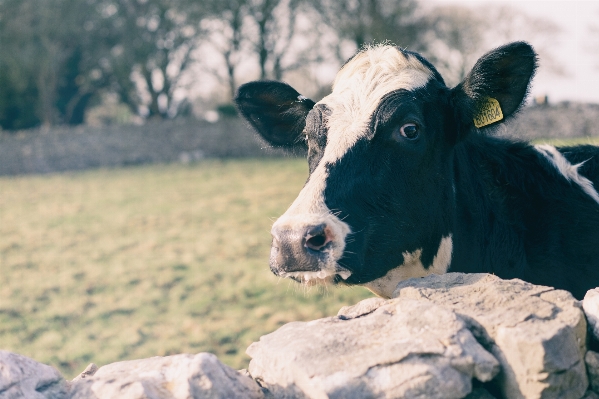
(409, 131)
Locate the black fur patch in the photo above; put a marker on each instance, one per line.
(518, 217)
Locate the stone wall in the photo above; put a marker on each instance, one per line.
(63, 149)
(562, 120)
(451, 336)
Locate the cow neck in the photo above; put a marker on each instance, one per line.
(488, 174)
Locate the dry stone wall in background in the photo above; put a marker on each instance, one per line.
(184, 140)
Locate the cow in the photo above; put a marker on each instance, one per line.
(406, 177)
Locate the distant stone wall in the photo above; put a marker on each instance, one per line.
(62, 149)
(562, 120)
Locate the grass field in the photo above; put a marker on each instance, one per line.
(569, 142)
(108, 265)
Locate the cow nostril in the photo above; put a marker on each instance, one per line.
(316, 242)
(317, 238)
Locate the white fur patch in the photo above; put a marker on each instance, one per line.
(357, 91)
(569, 171)
(413, 267)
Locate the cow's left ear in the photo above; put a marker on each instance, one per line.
(496, 87)
(276, 110)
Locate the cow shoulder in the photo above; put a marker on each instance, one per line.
(587, 156)
(578, 165)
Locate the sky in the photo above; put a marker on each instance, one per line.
(576, 46)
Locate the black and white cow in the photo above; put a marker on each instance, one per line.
(405, 180)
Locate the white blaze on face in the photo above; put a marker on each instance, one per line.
(357, 91)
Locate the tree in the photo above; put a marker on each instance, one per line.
(18, 93)
(150, 55)
(456, 38)
(63, 53)
(362, 22)
(44, 58)
(459, 35)
(224, 25)
(267, 31)
(276, 22)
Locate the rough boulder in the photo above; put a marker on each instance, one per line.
(451, 336)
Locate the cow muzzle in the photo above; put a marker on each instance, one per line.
(308, 253)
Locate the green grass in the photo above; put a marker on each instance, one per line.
(569, 142)
(108, 265)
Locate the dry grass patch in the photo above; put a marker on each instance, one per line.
(110, 265)
(569, 141)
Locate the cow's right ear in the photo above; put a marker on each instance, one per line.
(276, 110)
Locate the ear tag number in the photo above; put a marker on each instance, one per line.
(489, 112)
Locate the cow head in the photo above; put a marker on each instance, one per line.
(376, 208)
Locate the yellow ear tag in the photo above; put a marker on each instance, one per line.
(489, 112)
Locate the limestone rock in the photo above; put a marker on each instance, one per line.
(361, 308)
(592, 361)
(24, 378)
(537, 333)
(590, 304)
(89, 371)
(171, 377)
(401, 348)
